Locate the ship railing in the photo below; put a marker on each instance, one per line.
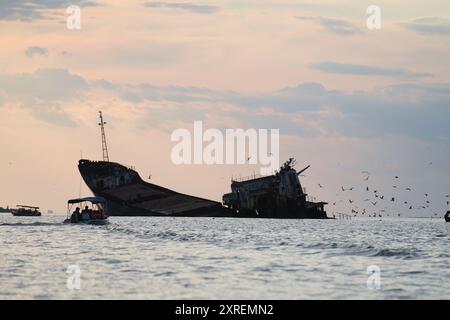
(247, 178)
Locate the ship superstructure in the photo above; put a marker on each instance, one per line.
(276, 196)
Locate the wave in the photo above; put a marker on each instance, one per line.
(32, 224)
(400, 253)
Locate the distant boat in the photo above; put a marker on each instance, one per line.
(26, 211)
(3, 210)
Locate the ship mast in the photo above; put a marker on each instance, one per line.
(104, 146)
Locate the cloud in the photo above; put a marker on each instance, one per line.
(44, 92)
(306, 110)
(32, 51)
(189, 6)
(336, 26)
(28, 10)
(414, 110)
(363, 70)
(429, 26)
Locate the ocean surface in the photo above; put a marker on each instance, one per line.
(224, 258)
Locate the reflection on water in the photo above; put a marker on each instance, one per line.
(212, 258)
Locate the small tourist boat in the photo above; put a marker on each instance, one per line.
(447, 216)
(26, 211)
(91, 210)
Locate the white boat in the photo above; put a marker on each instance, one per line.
(94, 211)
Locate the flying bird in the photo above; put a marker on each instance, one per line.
(320, 186)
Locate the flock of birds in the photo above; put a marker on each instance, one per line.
(379, 204)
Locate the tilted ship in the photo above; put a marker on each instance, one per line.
(277, 196)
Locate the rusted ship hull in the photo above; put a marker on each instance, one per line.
(128, 195)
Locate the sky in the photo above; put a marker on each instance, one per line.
(345, 98)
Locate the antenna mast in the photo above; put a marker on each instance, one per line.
(104, 146)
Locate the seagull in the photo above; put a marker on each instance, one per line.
(406, 202)
(426, 194)
(409, 189)
(320, 186)
(351, 201)
(342, 188)
(448, 202)
(381, 197)
(149, 177)
(393, 199)
(396, 177)
(410, 207)
(351, 189)
(367, 188)
(394, 186)
(374, 203)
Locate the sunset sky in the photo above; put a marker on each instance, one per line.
(346, 99)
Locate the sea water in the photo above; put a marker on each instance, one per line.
(224, 258)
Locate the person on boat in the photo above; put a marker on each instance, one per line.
(85, 214)
(75, 217)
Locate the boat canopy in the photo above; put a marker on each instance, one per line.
(27, 207)
(93, 200)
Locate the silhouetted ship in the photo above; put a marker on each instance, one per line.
(277, 196)
(129, 195)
